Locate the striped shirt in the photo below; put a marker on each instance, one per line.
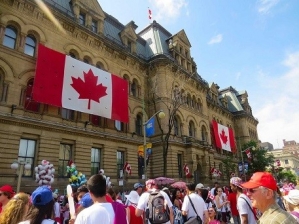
(275, 215)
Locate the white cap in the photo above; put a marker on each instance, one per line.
(199, 186)
(133, 197)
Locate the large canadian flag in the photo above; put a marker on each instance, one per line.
(224, 137)
(63, 81)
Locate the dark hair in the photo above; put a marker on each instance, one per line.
(82, 188)
(190, 186)
(97, 185)
(37, 214)
(216, 190)
(204, 194)
(174, 194)
(112, 193)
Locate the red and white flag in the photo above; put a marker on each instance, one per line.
(277, 162)
(212, 197)
(186, 170)
(149, 14)
(63, 81)
(248, 153)
(224, 137)
(127, 168)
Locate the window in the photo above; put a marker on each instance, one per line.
(26, 154)
(286, 161)
(95, 160)
(30, 104)
(191, 129)
(72, 55)
(204, 133)
(10, 37)
(67, 114)
(176, 126)
(138, 125)
(30, 45)
(86, 60)
(96, 120)
(82, 19)
(120, 160)
(120, 126)
(180, 165)
(94, 26)
(129, 46)
(65, 155)
(134, 88)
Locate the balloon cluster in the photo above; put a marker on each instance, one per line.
(76, 178)
(44, 173)
(108, 183)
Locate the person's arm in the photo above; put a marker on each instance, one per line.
(206, 215)
(171, 217)
(176, 203)
(218, 205)
(128, 214)
(244, 219)
(185, 206)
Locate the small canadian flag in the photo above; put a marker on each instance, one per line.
(212, 197)
(149, 14)
(127, 168)
(186, 170)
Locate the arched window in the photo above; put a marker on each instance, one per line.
(176, 126)
(138, 125)
(134, 88)
(204, 133)
(10, 37)
(100, 65)
(191, 129)
(72, 55)
(30, 104)
(30, 45)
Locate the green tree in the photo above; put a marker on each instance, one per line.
(260, 159)
(286, 175)
(229, 166)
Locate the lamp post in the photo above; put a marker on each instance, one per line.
(19, 166)
(161, 115)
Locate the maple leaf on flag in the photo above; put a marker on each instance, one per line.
(223, 137)
(89, 89)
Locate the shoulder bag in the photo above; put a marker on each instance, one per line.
(196, 219)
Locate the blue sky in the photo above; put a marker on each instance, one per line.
(249, 45)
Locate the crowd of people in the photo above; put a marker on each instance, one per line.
(259, 200)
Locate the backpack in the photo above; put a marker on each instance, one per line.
(177, 214)
(156, 213)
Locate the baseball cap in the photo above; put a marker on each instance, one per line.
(259, 179)
(41, 196)
(237, 181)
(137, 185)
(199, 186)
(150, 182)
(86, 200)
(7, 188)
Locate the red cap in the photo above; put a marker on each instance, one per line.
(259, 179)
(7, 188)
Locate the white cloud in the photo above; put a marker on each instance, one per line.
(264, 6)
(168, 9)
(216, 39)
(278, 111)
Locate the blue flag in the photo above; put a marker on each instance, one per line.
(150, 127)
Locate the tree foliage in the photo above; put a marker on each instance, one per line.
(229, 166)
(260, 159)
(286, 175)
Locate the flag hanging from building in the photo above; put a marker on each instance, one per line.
(224, 137)
(187, 171)
(150, 127)
(63, 81)
(127, 168)
(149, 14)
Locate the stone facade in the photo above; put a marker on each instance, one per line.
(160, 76)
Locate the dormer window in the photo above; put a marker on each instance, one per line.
(82, 18)
(94, 26)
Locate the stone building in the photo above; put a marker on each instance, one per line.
(161, 75)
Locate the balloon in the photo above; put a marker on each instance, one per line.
(44, 173)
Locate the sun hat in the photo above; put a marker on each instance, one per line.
(41, 196)
(292, 197)
(7, 188)
(133, 197)
(137, 185)
(150, 182)
(199, 186)
(261, 179)
(237, 181)
(86, 200)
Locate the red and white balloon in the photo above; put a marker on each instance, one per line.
(44, 173)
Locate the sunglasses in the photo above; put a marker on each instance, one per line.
(253, 190)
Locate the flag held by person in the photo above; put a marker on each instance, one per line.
(127, 168)
(63, 81)
(224, 137)
(187, 171)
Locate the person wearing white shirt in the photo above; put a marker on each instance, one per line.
(198, 202)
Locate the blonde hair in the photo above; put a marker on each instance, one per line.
(15, 210)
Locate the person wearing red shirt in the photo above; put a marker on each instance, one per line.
(6, 193)
(232, 198)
